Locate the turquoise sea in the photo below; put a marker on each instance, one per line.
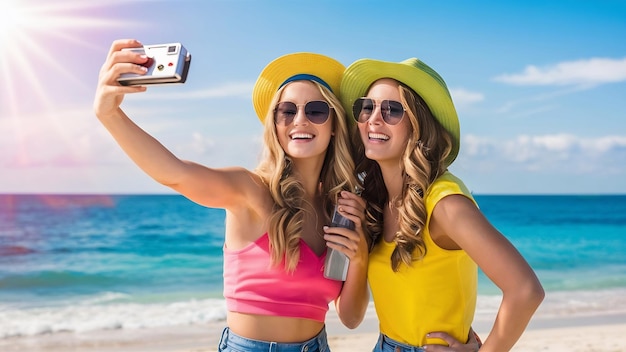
(92, 262)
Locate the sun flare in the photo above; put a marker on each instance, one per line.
(29, 28)
(20, 19)
(10, 19)
(37, 41)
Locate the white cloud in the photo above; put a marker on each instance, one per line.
(461, 96)
(197, 145)
(604, 145)
(565, 153)
(66, 137)
(590, 72)
(69, 151)
(227, 90)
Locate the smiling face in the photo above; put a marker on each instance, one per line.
(302, 139)
(384, 143)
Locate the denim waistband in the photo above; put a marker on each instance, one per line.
(385, 343)
(319, 343)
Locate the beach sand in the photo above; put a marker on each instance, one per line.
(588, 331)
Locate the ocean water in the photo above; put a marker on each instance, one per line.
(92, 262)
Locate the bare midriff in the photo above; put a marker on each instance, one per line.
(272, 328)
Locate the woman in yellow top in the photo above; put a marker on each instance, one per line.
(429, 234)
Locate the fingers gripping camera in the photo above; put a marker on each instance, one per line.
(167, 63)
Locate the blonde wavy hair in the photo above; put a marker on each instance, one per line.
(423, 160)
(275, 169)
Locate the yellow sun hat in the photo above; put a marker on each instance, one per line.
(415, 74)
(293, 67)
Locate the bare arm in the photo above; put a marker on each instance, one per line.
(223, 188)
(460, 224)
(354, 298)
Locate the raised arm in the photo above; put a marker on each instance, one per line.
(223, 188)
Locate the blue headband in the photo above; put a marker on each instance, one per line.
(304, 76)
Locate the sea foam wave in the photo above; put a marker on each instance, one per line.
(100, 313)
(84, 318)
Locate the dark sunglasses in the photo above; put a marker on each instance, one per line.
(391, 110)
(316, 111)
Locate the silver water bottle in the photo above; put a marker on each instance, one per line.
(336, 263)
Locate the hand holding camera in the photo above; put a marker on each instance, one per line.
(167, 64)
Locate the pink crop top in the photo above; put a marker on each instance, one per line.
(252, 285)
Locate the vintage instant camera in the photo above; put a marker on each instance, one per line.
(336, 264)
(167, 63)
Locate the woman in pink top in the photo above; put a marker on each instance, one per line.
(277, 215)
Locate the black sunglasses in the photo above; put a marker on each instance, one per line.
(392, 111)
(316, 111)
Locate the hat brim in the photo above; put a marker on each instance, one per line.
(361, 74)
(277, 72)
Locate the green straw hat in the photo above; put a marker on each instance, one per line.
(415, 74)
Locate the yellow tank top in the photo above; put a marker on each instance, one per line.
(437, 293)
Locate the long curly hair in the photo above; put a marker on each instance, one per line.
(286, 222)
(423, 160)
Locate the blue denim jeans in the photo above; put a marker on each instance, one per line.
(386, 344)
(230, 342)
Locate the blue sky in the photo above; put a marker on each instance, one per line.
(540, 86)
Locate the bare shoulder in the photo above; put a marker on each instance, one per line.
(455, 216)
(247, 214)
(250, 188)
(453, 205)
